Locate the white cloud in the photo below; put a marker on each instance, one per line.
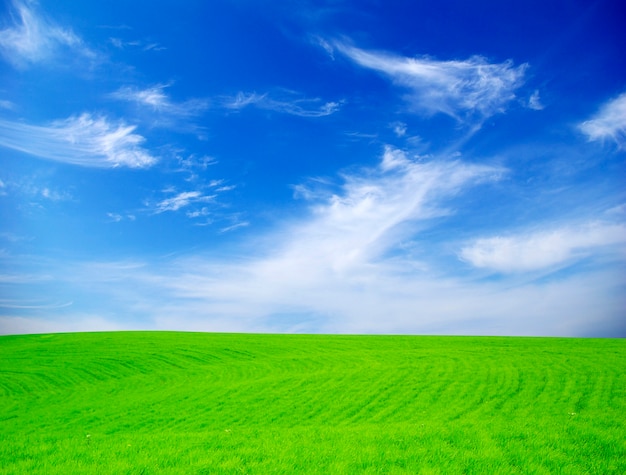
(153, 97)
(341, 254)
(455, 88)
(619, 210)
(182, 200)
(54, 195)
(232, 227)
(242, 100)
(288, 103)
(609, 122)
(199, 294)
(34, 39)
(117, 217)
(153, 47)
(30, 190)
(17, 304)
(84, 140)
(399, 128)
(346, 268)
(122, 44)
(358, 262)
(534, 102)
(118, 43)
(363, 220)
(157, 100)
(199, 213)
(327, 46)
(543, 249)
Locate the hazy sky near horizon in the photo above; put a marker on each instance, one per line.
(357, 166)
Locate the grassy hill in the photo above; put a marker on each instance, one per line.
(192, 403)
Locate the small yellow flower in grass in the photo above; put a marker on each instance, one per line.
(88, 439)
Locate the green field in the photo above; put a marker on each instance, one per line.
(193, 403)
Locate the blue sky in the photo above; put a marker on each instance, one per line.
(313, 166)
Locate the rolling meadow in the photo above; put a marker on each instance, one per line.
(200, 403)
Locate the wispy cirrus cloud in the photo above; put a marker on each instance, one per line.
(79, 140)
(608, 123)
(344, 251)
(287, 103)
(136, 44)
(158, 101)
(31, 38)
(200, 199)
(182, 200)
(32, 305)
(544, 249)
(29, 189)
(4, 104)
(117, 217)
(457, 88)
(375, 209)
(236, 225)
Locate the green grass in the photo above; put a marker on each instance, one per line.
(142, 402)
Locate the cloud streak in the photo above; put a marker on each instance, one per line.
(456, 88)
(136, 44)
(155, 99)
(80, 140)
(182, 200)
(300, 107)
(33, 39)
